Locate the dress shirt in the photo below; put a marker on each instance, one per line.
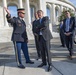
(67, 24)
(40, 23)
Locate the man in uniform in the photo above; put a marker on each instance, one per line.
(19, 35)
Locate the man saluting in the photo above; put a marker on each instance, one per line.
(19, 36)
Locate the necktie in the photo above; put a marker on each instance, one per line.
(23, 21)
(40, 20)
(67, 24)
(40, 23)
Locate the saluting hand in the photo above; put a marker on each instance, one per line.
(6, 9)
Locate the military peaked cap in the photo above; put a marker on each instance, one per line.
(19, 9)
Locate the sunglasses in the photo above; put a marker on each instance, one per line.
(67, 13)
(22, 12)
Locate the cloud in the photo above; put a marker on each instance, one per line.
(73, 1)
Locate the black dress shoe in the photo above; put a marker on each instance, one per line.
(38, 58)
(62, 45)
(42, 64)
(49, 68)
(30, 62)
(21, 66)
(75, 42)
(70, 57)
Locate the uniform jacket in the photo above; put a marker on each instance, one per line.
(19, 29)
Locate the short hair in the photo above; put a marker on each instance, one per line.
(67, 11)
(39, 11)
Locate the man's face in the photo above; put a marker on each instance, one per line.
(67, 14)
(22, 14)
(40, 14)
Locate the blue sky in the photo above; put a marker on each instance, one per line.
(13, 10)
(73, 1)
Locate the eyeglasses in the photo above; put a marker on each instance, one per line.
(67, 13)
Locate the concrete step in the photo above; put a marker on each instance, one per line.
(5, 34)
(58, 68)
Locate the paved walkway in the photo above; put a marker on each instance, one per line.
(61, 64)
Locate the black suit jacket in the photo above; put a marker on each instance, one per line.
(19, 29)
(61, 29)
(72, 25)
(35, 27)
(44, 28)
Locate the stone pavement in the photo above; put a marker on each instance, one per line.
(61, 64)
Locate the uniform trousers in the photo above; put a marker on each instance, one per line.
(22, 46)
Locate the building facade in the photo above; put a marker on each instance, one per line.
(51, 8)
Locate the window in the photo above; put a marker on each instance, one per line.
(56, 12)
(48, 12)
(13, 10)
(32, 11)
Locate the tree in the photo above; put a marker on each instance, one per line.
(63, 16)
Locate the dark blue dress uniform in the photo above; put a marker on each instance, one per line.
(19, 37)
